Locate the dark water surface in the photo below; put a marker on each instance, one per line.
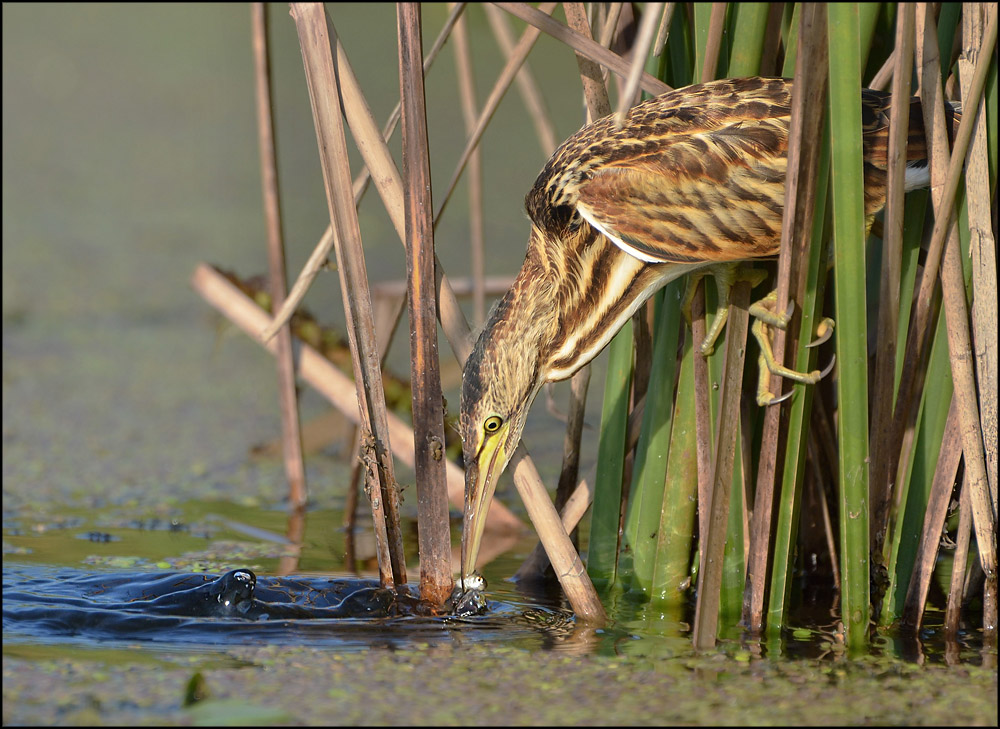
(175, 610)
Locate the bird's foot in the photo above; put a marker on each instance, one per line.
(765, 316)
(725, 274)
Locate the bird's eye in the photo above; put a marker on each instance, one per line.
(492, 424)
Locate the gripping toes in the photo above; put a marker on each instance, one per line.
(765, 316)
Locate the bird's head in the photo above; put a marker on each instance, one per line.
(501, 378)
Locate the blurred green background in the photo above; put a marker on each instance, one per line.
(129, 155)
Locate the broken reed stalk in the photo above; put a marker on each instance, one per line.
(380, 482)
(467, 96)
(706, 621)
(569, 569)
(433, 528)
(291, 438)
(582, 45)
(804, 143)
(320, 373)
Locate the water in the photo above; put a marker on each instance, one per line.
(50, 605)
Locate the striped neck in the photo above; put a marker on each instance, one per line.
(590, 291)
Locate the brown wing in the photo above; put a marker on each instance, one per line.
(708, 195)
(695, 174)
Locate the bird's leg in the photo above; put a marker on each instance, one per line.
(725, 274)
(764, 316)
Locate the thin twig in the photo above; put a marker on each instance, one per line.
(507, 75)
(467, 95)
(663, 32)
(291, 438)
(534, 100)
(595, 92)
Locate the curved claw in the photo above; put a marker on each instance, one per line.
(772, 400)
(823, 332)
(829, 368)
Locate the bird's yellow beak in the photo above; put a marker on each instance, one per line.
(480, 482)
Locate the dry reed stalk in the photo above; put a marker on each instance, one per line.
(609, 27)
(706, 621)
(579, 501)
(318, 259)
(640, 52)
(663, 32)
(982, 246)
(595, 92)
(570, 470)
(805, 133)
(361, 181)
(953, 292)
(892, 254)
(716, 24)
(291, 438)
(380, 483)
(532, 96)
(378, 158)
(937, 509)
(943, 196)
(503, 83)
(581, 44)
(320, 373)
(428, 402)
(467, 96)
(884, 75)
(569, 569)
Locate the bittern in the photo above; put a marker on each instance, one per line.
(694, 179)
